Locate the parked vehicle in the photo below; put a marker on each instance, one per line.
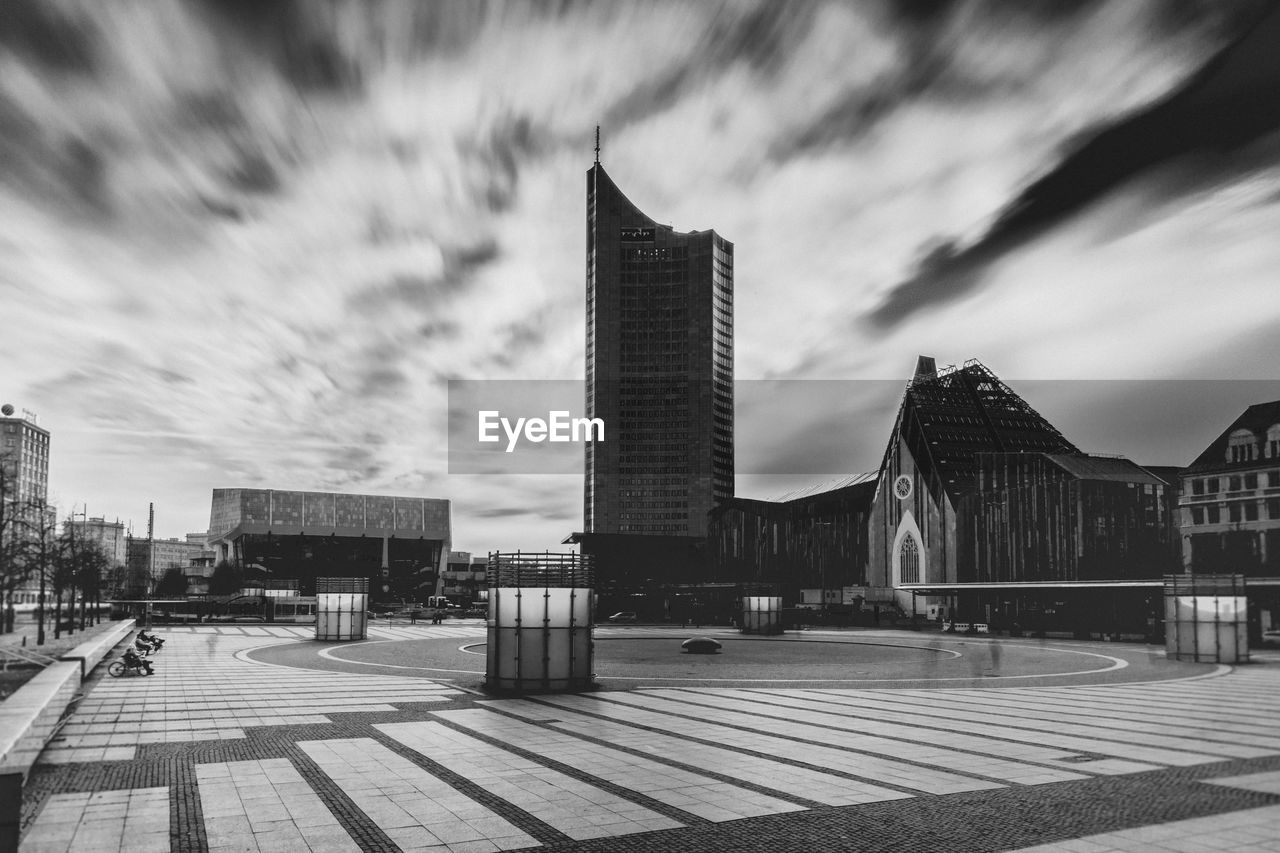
(623, 616)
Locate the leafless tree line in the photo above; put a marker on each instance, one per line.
(68, 573)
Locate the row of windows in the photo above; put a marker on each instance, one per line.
(667, 309)
(1235, 483)
(1240, 511)
(1244, 446)
(657, 494)
(649, 503)
(655, 446)
(655, 285)
(651, 254)
(656, 363)
(664, 529)
(655, 482)
(39, 438)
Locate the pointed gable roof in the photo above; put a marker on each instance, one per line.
(949, 415)
(1258, 418)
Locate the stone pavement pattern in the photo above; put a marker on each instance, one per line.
(220, 752)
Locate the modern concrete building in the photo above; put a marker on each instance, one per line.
(286, 539)
(659, 365)
(463, 579)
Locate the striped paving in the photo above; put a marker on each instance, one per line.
(753, 717)
(648, 711)
(813, 785)
(257, 806)
(213, 692)
(562, 802)
(416, 810)
(699, 795)
(795, 705)
(465, 775)
(134, 820)
(886, 705)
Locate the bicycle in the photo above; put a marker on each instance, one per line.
(118, 668)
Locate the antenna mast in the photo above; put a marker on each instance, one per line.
(597, 145)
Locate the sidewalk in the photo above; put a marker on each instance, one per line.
(220, 752)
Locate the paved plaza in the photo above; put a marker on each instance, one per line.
(258, 738)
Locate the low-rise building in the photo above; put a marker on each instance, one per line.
(398, 543)
(463, 580)
(109, 537)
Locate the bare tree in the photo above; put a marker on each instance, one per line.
(42, 557)
(14, 557)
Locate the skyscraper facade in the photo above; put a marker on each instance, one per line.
(659, 370)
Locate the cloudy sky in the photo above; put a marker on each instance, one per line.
(248, 243)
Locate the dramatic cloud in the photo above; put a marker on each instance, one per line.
(1229, 103)
(250, 243)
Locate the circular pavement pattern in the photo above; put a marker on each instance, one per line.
(645, 657)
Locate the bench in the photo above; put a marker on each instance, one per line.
(91, 652)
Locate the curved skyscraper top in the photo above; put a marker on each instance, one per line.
(659, 369)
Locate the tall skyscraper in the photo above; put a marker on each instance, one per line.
(659, 370)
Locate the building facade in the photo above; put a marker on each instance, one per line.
(463, 581)
(812, 545)
(24, 490)
(985, 512)
(1052, 517)
(1230, 500)
(109, 537)
(24, 456)
(158, 556)
(659, 370)
(286, 539)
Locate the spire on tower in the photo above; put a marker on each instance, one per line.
(597, 145)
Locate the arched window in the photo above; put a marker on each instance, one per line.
(1273, 441)
(909, 560)
(1242, 446)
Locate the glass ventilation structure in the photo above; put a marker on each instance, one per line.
(1206, 618)
(541, 609)
(761, 614)
(342, 608)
